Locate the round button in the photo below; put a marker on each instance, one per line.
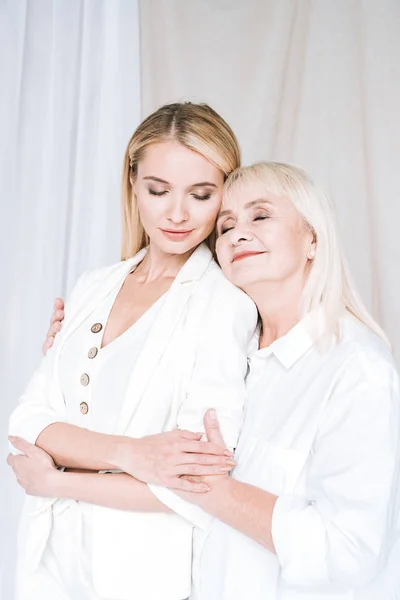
(92, 352)
(96, 327)
(85, 379)
(84, 408)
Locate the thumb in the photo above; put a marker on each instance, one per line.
(212, 428)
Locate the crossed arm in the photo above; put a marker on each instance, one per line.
(242, 506)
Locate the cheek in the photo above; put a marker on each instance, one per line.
(290, 248)
(206, 212)
(149, 209)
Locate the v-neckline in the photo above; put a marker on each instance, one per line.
(114, 297)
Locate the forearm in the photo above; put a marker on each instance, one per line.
(240, 505)
(111, 490)
(75, 447)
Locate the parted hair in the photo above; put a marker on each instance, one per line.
(195, 126)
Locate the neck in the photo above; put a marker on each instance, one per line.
(160, 265)
(278, 304)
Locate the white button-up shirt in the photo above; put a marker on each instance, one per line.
(321, 432)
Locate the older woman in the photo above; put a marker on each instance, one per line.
(311, 508)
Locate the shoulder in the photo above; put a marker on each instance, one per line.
(364, 355)
(99, 275)
(223, 296)
(94, 279)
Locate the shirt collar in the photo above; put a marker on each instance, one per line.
(289, 348)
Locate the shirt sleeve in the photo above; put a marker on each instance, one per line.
(35, 411)
(217, 381)
(339, 532)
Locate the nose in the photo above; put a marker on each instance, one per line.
(239, 235)
(178, 212)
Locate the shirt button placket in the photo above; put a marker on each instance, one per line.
(85, 378)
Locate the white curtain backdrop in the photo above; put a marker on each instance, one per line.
(69, 101)
(312, 82)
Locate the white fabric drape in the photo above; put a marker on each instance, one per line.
(312, 82)
(69, 101)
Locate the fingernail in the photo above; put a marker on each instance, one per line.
(212, 414)
(205, 488)
(228, 453)
(225, 469)
(231, 462)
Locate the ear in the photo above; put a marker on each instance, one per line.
(312, 250)
(312, 244)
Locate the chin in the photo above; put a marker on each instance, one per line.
(243, 278)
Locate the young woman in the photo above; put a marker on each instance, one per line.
(312, 509)
(147, 346)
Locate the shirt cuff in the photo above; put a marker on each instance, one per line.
(300, 541)
(32, 427)
(192, 513)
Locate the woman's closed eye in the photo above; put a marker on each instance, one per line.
(262, 216)
(157, 192)
(226, 228)
(199, 197)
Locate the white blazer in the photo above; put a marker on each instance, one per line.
(195, 357)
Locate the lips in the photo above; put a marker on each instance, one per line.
(243, 255)
(176, 234)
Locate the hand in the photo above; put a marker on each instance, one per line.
(55, 324)
(34, 469)
(219, 480)
(162, 459)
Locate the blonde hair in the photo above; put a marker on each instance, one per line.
(196, 126)
(329, 284)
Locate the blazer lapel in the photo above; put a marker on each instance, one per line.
(91, 298)
(162, 330)
(96, 292)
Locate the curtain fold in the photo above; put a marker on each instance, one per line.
(311, 82)
(69, 102)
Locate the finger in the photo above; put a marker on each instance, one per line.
(189, 435)
(58, 315)
(15, 461)
(204, 448)
(58, 304)
(212, 428)
(205, 459)
(189, 485)
(22, 445)
(55, 328)
(203, 469)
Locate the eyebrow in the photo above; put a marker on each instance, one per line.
(250, 204)
(200, 184)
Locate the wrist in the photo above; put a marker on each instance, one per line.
(123, 453)
(220, 488)
(54, 483)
